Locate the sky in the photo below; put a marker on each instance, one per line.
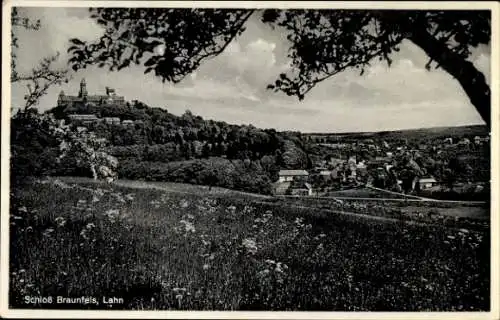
(232, 86)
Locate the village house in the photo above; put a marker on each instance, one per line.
(81, 129)
(128, 123)
(304, 189)
(326, 174)
(112, 120)
(334, 162)
(481, 140)
(426, 182)
(291, 175)
(464, 142)
(280, 188)
(83, 119)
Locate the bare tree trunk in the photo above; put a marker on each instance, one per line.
(472, 80)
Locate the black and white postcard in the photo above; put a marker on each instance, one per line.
(250, 159)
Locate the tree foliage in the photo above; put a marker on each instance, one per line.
(39, 143)
(173, 42)
(41, 77)
(170, 42)
(37, 140)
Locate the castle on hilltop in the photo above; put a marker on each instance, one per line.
(84, 97)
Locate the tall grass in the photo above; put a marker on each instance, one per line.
(159, 250)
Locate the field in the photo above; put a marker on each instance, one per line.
(365, 193)
(200, 249)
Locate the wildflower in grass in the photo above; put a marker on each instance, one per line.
(112, 214)
(184, 203)
(206, 266)
(265, 218)
(119, 197)
(84, 233)
(264, 272)
(188, 226)
(60, 221)
(155, 203)
(48, 231)
(299, 222)
(247, 210)
(250, 245)
(99, 192)
(129, 197)
(231, 209)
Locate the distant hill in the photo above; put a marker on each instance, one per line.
(429, 133)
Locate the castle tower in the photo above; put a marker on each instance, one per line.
(60, 100)
(83, 89)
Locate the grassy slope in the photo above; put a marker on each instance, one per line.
(158, 249)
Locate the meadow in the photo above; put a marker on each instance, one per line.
(161, 249)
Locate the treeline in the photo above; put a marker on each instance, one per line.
(188, 136)
(241, 175)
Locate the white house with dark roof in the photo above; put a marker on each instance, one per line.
(290, 175)
(128, 122)
(83, 118)
(112, 120)
(427, 182)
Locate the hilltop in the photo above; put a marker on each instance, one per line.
(428, 133)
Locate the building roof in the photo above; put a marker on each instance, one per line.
(293, 173)
(82, 116)
(325, 172)
(427, 180)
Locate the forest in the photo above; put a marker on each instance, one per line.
(166, 147)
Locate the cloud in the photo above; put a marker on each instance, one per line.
(483, 64)
(58, 25)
